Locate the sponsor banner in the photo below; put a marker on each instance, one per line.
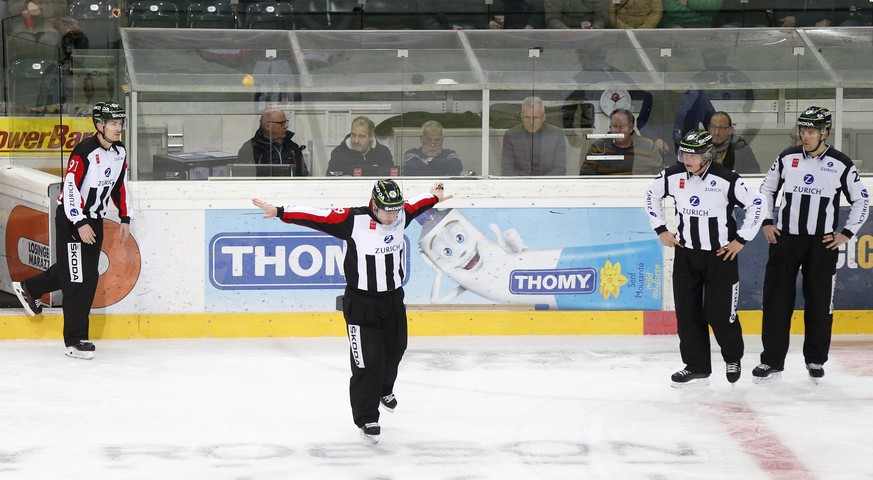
(39, 137)
(563, 259)
(854, 271)
(277, 260)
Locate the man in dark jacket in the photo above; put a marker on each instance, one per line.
(272, 144)
(431, 159)
(359, 154)
(730, 150)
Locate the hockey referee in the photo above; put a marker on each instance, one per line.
(96, 172)
(812, 178)
(373, 307)
(706, 277)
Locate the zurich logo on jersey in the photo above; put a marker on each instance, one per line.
(388, 239)
(808, 179)
(830, 164)
(864, 193)
(712, 183)
(695, 201)
(107, 172)
(757, 201)
(74, 212)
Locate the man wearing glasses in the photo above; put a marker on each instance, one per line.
(730, 150)
(534, 147)
(639, 154)
(273, 144)
(431, 159)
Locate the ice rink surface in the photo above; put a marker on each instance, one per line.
(471, 408)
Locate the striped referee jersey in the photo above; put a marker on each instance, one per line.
(375, 255)
(94, 176)
(811, 189)
(704, 206)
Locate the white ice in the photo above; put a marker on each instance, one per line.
(473, 408)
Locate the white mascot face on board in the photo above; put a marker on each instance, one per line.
(454, 245)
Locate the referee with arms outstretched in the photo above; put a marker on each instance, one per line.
(812, 177)
(373, 308)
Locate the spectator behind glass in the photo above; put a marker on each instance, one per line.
(577, 14)
(520, 14)
(31, 21)
(534, 147)
(689, 13)
(641, 157)
(814, 13)
(630, 14)
(730, 150)
(854, 13)
(431, 159)
(272, 144)
(360, 153)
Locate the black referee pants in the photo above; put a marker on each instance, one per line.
(74, 273)
(808, 254)
(705, 289)
(377, 338)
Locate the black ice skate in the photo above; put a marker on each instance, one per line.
(816, 372)
(685, 377)
(389, 402)
(370, 432)
(732, 371)
(32, 306)
(83, 350)
(764, 373)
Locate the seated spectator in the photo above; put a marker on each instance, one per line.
(272, 144)
(814, 13)
(641, 157)
(360, 154)
(31, 27)
(854, 13)
(520, 14)
(630, 14)
(534, 147)
(689, 13)
(431, 159)
(730, 150)
(577, 14)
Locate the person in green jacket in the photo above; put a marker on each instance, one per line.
(689, 13)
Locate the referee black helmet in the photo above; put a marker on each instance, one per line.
(387, 195)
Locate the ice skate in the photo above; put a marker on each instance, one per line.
(764, 373)
(816, 372)
(732, 371)
(389, 402)
(370, 432)
(32, 306)
(83, 350)
(684, 378)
